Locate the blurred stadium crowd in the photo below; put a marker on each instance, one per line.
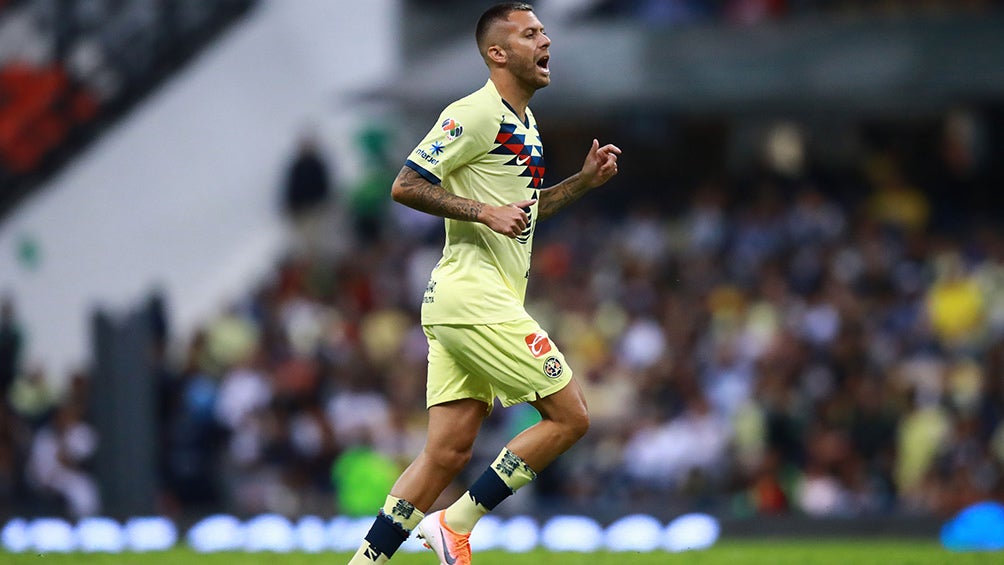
(778, 341)
(767, 349)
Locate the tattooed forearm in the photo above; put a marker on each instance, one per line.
(414, 191)
(550, 200)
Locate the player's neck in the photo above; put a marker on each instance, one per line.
(513, 92)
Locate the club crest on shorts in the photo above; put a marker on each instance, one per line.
(538, 344)
(552, 367)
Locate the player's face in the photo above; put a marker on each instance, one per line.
(528, 50)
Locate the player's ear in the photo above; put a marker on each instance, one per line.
(497, 54)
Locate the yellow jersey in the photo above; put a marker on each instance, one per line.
(480, 149)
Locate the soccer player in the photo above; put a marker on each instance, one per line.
(481, 168)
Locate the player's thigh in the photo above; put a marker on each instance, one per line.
(448, 379)
(517, 358)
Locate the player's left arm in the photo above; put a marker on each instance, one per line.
(599, 167)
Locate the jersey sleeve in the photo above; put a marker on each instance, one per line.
(459, 136)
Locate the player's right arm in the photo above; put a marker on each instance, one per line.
(415, 191)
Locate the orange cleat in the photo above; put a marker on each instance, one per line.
(451, 548)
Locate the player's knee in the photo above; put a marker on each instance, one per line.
(577, 424)
(451, 459)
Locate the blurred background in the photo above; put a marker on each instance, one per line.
(789, 304)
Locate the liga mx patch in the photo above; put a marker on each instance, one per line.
(538, 344)
(452, 128)
(552, 367)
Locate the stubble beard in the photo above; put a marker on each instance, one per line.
(528, 73)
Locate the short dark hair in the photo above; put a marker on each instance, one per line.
(497, 13)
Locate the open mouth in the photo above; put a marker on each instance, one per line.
(542, 63)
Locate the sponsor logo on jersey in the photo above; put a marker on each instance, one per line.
(430, 293)
(425, 156)
(437, 148)
(538, 344)
(452, 128)
(552, 367)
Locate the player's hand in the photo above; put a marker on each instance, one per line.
(600, 164)
(509, 220)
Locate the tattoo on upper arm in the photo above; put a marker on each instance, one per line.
(420, 194)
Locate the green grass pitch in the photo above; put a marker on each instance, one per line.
(773, 552)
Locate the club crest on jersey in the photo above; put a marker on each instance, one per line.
(552, 367)
(452, 128)
(538, 344)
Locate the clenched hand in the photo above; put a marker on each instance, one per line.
(509, 220)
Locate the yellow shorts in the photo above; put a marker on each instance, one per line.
(513, 361)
